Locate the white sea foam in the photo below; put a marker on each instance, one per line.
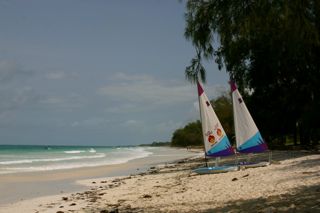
(91, 159)
(74, 151)
(26, 161)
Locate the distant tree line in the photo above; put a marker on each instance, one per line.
(190, 135)
(272, 50)
(157, 143)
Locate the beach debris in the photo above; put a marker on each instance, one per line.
(116, 180)
(60, 212)
(104, 181)
(245, 175)
(147, 196)
(122, 200)
(93, 182)
(114, 205)
(169, 166)
(73, 204)
(114, 211)
(234, 179)
(65, 198)
(292, 206)
(308, 173)
(275, 162)
(104, 211)
(93, 200)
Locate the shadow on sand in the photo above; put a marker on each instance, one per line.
(303, 199)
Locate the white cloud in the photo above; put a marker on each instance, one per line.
(15, 93)
(91, 122)
(196, 106)
(131, 123)
(120, 76)
(143, 91)
(52, 100)
(66, 101)
(14, 98)
(124, 107)
(168, 126)
(55, 75)
(10, 70)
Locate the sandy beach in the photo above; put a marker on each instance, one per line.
(290, 184)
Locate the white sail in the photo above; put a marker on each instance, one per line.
(248, 137)
(215, 139)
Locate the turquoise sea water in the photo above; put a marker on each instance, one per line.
(27, 158)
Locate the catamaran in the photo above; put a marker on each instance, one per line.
(216, 142)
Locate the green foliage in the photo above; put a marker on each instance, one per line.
(190, 135)
(195, 70)
(271, 48)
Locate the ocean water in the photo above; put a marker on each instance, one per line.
(25, 158)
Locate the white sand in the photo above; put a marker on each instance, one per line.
(292, 184)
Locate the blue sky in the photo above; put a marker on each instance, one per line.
(96, 72)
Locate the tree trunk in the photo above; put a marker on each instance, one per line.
(295, 138)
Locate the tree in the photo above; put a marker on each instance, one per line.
(272, 49)
(190, 135)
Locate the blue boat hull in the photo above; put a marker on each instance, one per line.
(215, 169)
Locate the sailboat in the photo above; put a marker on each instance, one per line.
(216, 142)
(248, 137)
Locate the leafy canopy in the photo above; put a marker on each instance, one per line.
(271, 48)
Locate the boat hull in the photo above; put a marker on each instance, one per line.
(215, 169)
(253, 165)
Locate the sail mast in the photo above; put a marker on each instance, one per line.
(200, 91)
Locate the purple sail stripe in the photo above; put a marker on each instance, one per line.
(259, 148)
(200, 90)
(225, 152)
(233, 85)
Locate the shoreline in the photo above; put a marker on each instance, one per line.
(28, 185)
(284, 185)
